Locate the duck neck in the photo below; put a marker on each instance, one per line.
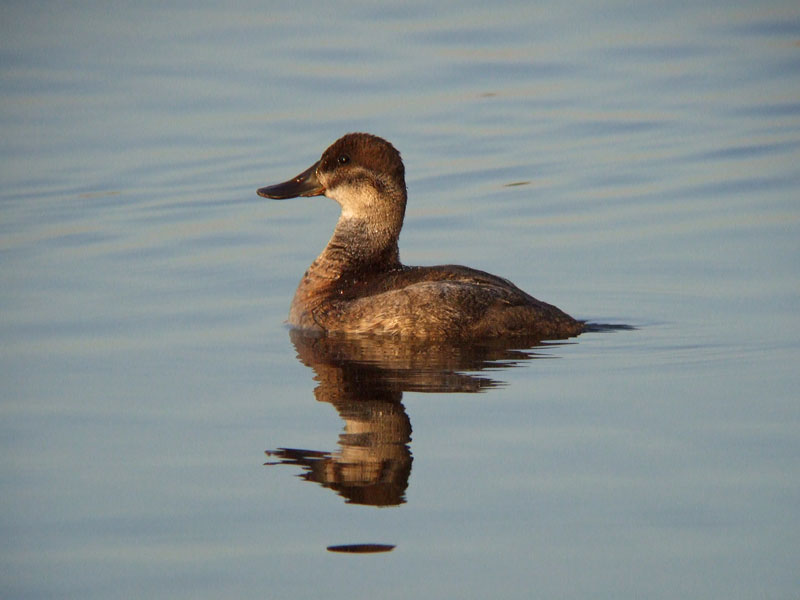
(358, 247)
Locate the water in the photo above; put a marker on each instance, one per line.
(629, 163)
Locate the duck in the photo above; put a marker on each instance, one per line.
(358, 285)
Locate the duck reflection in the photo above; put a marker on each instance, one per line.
(364, 379)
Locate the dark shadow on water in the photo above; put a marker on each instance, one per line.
(606, 327)
(364, 379)
(361, 548)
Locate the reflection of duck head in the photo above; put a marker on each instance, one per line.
(364, 378)
(373, 463)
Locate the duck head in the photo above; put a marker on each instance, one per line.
(362, 172)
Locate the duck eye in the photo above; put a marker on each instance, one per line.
(343, 159)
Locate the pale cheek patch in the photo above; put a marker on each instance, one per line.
(357, 201)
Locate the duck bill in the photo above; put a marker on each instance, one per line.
(305, 184)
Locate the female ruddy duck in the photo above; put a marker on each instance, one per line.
(358, 284)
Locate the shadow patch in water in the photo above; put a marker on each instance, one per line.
(607, 327)
(361, 548)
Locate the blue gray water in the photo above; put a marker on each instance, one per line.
(630, 163)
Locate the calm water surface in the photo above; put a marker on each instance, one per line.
(631, 164)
